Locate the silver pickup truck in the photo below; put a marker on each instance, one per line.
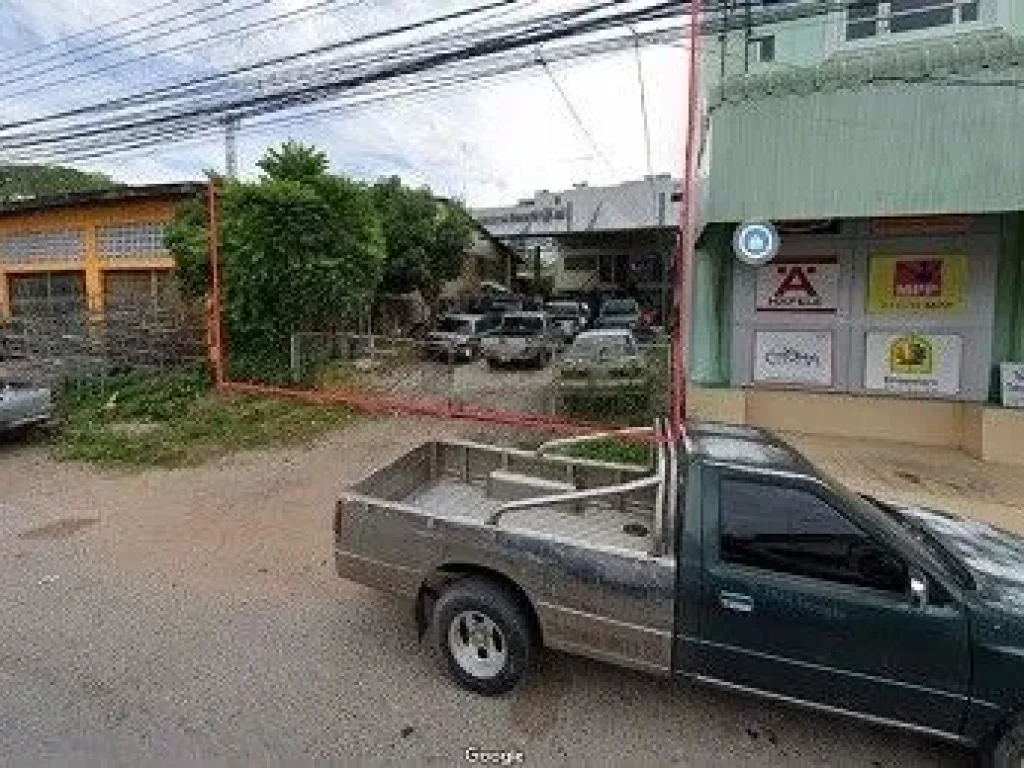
(731, 561)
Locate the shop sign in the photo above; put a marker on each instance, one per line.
(1012, 375)
(917, 284)
(799, 285)
(914, 363)
(793, 357)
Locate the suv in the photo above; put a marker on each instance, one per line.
(620, 314)
(569, 317)
(522, 337)
(457, 336)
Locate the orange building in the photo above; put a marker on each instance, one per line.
(88, 247)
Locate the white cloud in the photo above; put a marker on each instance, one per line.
(493, 143)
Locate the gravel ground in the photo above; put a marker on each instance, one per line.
(191, 616)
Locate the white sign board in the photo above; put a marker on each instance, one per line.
(798, 285)
(1012, 375)
(913, 363)
(793, 357)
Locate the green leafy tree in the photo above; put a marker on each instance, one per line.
(18, 181)
(301, 250)
(294, 162)
(426, 238)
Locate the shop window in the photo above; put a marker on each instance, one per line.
(131, 240)
(55, 245)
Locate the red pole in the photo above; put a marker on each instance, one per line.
(688, 225)
(213, 240)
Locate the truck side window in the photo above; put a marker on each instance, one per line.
(789, 530)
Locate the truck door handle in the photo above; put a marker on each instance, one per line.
(734, 601)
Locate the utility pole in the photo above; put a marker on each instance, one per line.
(231, 125)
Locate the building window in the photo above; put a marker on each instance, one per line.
(131, 240)
(142, 289)
(48, 293)
(762, 49)
(868, 19)
(55, 245)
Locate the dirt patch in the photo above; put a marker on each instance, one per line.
(60, 529)
(133, 428)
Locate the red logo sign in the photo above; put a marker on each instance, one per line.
(920, 278)
(796, 283)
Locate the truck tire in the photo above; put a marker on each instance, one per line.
(484, 636)
(1009, 751)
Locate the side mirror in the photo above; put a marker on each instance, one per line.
(918, 591)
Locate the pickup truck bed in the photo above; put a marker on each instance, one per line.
(596, 525)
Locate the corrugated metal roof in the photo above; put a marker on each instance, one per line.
(874, 150)
(110, 195)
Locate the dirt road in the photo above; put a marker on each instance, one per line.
(174, 617)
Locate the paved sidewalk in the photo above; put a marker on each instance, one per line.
(939, 477)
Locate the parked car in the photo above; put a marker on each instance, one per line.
(733, 561)
(602, 359)
(24, 405)
(619, 313)
(457, 336)
(522, 337)
(504, 303)
(568, 317)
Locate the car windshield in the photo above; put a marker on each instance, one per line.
(522, 323)
(592, 346)
(455, 325)
(619, 307)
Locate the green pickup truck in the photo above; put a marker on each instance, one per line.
(732, 561)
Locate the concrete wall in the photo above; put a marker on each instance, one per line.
(985, 432)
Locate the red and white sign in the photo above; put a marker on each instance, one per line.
(799, 285)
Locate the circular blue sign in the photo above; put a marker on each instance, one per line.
(756, 242)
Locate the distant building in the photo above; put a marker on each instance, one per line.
(87, 249)
(594, 239)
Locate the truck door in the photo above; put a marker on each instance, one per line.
(801, 602)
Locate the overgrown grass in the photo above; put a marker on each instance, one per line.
(175, 420)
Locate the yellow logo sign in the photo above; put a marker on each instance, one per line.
(912, 354)
(917, 284)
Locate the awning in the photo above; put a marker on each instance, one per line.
(916, 130)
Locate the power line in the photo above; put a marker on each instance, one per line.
(181, 47)
(110, 40)
(263, 64)
(352, 78)
(91, 30)
(575, 115)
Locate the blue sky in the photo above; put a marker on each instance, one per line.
(490, 144)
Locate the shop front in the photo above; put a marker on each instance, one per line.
(884, 328)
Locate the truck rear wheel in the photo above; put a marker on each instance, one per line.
(484, 636)
(1009, 752)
